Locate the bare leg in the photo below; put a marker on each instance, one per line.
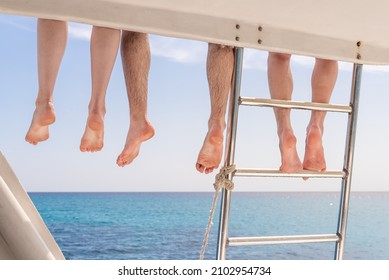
(135, 51)
(281, 87)
(220, 64)
(104, 48)
(52, 36)
(323, 81)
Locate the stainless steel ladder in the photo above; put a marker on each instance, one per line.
(236, 100)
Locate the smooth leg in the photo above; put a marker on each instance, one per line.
(323, 81)
(281, 87)
(104, 48)
(52, 37)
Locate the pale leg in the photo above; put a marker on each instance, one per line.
(52, 36)
(135, 51)
(220, 64)
(104, 47)
(323, 81)
(281, 87)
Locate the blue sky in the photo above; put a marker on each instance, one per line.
(178, 109)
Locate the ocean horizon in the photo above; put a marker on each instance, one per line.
(171, 225)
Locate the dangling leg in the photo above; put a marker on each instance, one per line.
(135, 51)
(104, 47)
(220, 64)
(323, 81)
(281, 87)
(52, 36)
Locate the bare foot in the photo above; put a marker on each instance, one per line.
(93, 138)
(39, 129)
(290, 161)
(314, 151)
(136, 135)
(211, 152)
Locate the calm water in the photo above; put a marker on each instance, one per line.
(172, 225)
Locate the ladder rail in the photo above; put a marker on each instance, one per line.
(230, 153)
(348, 160)
(277, 173)
(287, 239)
(288, 104)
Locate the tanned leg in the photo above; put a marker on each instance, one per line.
(104, 48)
(135, 51)
(281, 87)
(323, 81)
(52, 37)
(220, 65)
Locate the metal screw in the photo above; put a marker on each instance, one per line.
(359, 56)
(359, 43)
(259, 41)
(237, 38)
(237, 26)
(260, 28)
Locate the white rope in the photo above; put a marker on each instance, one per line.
(208, 229)
(221, 180)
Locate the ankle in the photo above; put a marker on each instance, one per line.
(216, 124)
(43, 102)
(285, 132)
(315, 128)
(96, 109)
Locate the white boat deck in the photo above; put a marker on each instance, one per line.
(347, 30)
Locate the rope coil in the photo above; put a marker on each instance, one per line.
(221, 180)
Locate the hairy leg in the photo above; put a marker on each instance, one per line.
(104, 48)
(220, 64)
(52, 36)
(323, 81)
(281, 87)
(135, 51)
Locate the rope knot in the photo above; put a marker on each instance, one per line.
(221, 179)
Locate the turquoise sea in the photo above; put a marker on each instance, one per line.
(171, 226)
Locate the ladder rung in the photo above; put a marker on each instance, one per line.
(293, 239)
(278, 173)
(252, 101)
